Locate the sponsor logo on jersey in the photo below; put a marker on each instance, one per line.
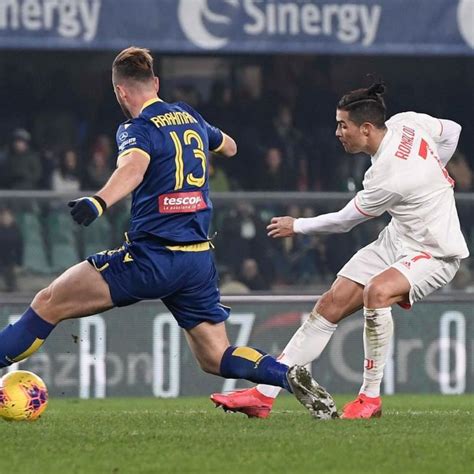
(181, 202)
(129, 142)
(123, 136)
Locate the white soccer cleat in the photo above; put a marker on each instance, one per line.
(315, 398)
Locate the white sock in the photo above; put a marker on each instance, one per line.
(305, 346)
(378, 330)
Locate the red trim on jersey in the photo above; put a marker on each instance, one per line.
(361, 211)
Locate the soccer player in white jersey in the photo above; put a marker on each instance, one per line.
(417, 253)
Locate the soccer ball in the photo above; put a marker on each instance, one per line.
(23, 396)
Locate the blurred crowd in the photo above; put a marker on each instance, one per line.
(40, 240)
(283, 122)
(26, 167)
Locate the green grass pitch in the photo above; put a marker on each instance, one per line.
(417, 434)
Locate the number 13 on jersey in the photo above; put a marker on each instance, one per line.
(190, 137)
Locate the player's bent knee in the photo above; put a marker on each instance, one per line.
(376, 295)
(42, 301)
(324, 302)
(328, 307)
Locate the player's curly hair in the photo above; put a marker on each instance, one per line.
(366, 105)
(133, 63)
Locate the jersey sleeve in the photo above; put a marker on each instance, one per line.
(374, 201)
(133, 137)
(216, 137)
(334, 222)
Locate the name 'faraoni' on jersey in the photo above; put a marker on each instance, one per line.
(172, 202)
(408, 180)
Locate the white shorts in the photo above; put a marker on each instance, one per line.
(424, 272)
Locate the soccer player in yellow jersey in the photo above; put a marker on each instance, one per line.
(163, 161)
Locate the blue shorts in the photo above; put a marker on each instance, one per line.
(184, 278)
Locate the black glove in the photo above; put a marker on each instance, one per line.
(87, 209)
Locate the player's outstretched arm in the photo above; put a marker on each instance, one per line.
(332, 223)
(129, 174)
(228, 146)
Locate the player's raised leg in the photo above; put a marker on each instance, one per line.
(79, 291)
(215, 355)
(343, 298)
(381, 292)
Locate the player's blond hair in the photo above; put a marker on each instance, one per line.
(133, 63)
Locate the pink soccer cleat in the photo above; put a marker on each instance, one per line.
(362, 407)
(249, 401)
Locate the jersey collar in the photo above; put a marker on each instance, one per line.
(149, 102)
(382, 146)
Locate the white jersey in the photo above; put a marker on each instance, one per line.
(408, 180)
